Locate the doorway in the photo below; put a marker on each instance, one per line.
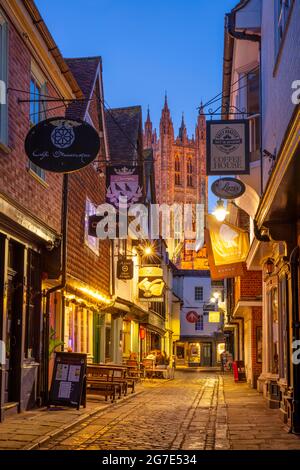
(13, 322)
(206, 355)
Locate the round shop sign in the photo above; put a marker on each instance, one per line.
(62, 145)
(228, 188)
(192, 316)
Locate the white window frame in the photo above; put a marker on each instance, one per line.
(91, 242)
(3, 78)
(196, 296)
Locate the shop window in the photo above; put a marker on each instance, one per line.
(199, 293)
(91, 242)
(79, 325)
(3, 80)
(126, 338)
(273, 330)
(199, 325)
(33, 310)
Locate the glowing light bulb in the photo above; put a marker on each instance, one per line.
(220, 212)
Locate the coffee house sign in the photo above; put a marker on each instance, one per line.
(228, 147)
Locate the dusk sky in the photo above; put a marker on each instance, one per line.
(147, 48)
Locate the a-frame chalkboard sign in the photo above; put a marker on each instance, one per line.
(68, 387)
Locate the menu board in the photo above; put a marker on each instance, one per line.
(68, 387)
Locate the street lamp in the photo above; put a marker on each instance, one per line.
(220, 211)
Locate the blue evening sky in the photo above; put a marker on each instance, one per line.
(147, 47)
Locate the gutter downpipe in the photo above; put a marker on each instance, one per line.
(61, 286)
(294, 262)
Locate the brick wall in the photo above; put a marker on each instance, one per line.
(16, 182)
(249, 286)
(83, 263)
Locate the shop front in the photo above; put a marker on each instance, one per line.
(22, 263)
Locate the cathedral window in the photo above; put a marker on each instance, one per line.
(177, 172)
(190, 173)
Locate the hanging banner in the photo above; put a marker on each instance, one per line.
(228, 147)
(192, 316)
(124, 182)
(151, 284)
(62, 145)
(227, 248)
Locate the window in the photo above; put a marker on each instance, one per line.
(199, 324)
(91, 242)
(37, 114)
(189, 173)
(281, 19)
(33, 310)
(79, 328)
(199, 293)
(3, 80)
(177, 172)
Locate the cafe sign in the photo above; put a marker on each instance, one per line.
(214, 317)
(192, 316)
(62, 145)
(228, 188)
(151, 284)
(125, 269)
(228, 147)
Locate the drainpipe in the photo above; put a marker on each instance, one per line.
(61, 286)
(253, 38)
(294, 261)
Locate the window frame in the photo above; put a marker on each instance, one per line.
(201, 295)
(199, 325)
(281, 20)
(38, 172)
(91, 242)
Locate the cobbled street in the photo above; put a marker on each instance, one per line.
(196, 411)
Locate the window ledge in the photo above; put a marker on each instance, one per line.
(5, 148)
(38, 178)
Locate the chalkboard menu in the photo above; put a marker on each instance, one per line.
(68, 387)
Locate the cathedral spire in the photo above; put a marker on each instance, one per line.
(166, 125)
(166, 101)
(148, 134)
(182, 130)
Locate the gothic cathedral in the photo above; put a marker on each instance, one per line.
(180, 172)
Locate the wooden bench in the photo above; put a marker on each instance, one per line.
(100, 382)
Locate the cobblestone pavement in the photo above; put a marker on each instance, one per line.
(196, 411)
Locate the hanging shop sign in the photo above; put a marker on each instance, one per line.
(192, 316)
(124, 183)
(227, 248)
(214, 317)
(68, 387)
(62, 145)
(151, 284)
(228, 188)
(125, 269)
(228, 147)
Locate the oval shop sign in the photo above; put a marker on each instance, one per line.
(62, 145)
(228, 188)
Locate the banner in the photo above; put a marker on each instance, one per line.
(124, 182)
(228, 147)
(227, 248)
(151, 284)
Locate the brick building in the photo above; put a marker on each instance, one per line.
(78, 314)
(30, 200)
